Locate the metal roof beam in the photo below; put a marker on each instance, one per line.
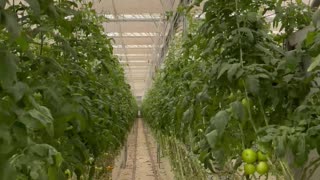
(133, 34)
(136, 46)
(133, 55)
(144, 17)
(112, 36)
(144, 60)
(136, 20)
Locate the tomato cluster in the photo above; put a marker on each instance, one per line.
(250, 157)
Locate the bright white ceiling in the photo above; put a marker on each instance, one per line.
(139, 29)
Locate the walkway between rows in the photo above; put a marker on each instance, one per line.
(138, 159)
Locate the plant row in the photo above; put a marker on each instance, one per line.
(63, 98)
(230, 83)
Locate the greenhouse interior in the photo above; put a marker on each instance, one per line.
(159, 89)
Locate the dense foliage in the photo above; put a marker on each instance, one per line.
(231, 85)
(63, 98)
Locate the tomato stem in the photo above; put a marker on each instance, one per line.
(242, 136)
(263, 113)
(286, 171)
(249, 110)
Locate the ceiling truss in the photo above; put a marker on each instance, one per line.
(139, 29)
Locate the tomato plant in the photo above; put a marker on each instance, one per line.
(233, 52)
(63, 98)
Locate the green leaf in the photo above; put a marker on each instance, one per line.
(212, 138)
(18, 90)
(12, 25)
(46, 116)
(280, 145)
(313, 130)
(301, 155)
(7, 171)
(253, 85)
(238, 110)
(37, 118)
(35, 6)
(23, 43)
(3, 3)
(316, 18)
(19, 134)
(8, 68)
(211, 44)
(248, 32)
(220, 121)
(34, 174)
(58, 159)
(314, 64)
(223, 68)
(188, 115)
(5, 140)
(310, 38)
(263, 49)
(52, 10)
(288, 78)
(233, 70)
(252, 16)
(52, 173)
(292, 60)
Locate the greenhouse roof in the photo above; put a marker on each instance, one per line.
(139, 29)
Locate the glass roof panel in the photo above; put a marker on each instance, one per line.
(133, 55)
(144, 16)
(132, 34)
(136, 46)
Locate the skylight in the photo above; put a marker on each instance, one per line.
(133, 55)
(136, 46)
(145, 16)
(132, 34)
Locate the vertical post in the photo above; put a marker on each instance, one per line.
(158, 154)
(184, 21)
(184, 18)
(124, 164)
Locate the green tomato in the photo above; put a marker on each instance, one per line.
(231, 96)
(249, 169)
(262, 167)
(246, 102)
(37, 96)
(262, 156)
(98, 168)
(249, 156)
(67, 172)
